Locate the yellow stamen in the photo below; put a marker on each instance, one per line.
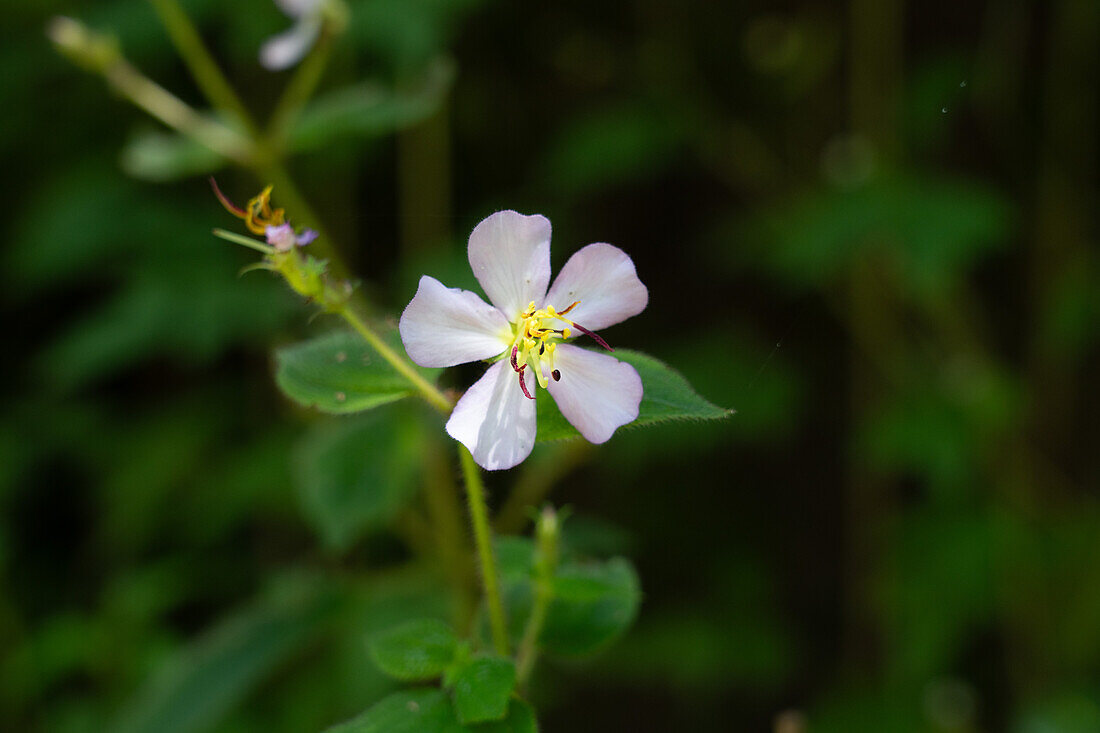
(538, 332)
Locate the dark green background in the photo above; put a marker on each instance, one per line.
(868, 226)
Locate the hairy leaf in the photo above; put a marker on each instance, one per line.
(667, 396)
(415, 650)
(338, 373)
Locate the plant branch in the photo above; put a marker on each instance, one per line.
(427, 390)
(300, 89)
(213, 84)
(479, 516)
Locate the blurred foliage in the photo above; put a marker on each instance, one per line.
(886, 263)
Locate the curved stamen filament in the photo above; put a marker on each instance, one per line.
(257, 213)
(593, 335)
(522, 383)
(537, 339)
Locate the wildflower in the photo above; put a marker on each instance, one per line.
(305, 274)
(260, 218)
(283, 237)
(289, 47)
(528, 329)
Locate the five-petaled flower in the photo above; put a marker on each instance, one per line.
(529, 329)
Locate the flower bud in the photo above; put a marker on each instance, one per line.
(95, 51)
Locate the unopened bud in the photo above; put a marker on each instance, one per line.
(547, 527)
(94, 51)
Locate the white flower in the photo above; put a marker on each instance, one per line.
(528, 328)
(289, 47)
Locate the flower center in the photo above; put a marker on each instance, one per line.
(538, 333)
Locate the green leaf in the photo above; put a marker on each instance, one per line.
(1065, 711)
(430, 711)
(520, 719)
(667, 396)
(929, 231)
(408, 711)
(416, 650)
(617, 145)
(355, 474)
(369, 109)
(363, 110)
(338, 373)
(405, 35)
(482, 689)
(154, 155)
(594, 601)
(593, 605)
(196, 688)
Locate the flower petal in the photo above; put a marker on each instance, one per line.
(602, 277)
(298, 8)
(444, 326)
(495, 420)
(596, 393)
(287, 48)
(510, 256)
(282, 237)
(307, 236)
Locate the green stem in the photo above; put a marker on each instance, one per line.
(244, 241)
(300, 89)
(479, 515)
(270, 170)
(172, 111)
(213, 84)
(428, 391)
(263, 160)
(546, 563)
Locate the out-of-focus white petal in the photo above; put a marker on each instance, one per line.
(602, 277)
(289, 47)
(494, 419)
(596, 393)
(444, 326)
(299, 8)
(510, 256)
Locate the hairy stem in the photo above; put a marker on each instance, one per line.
(264, 162)
(479, 517)
(427, 390)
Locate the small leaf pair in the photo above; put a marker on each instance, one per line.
(481, 685)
